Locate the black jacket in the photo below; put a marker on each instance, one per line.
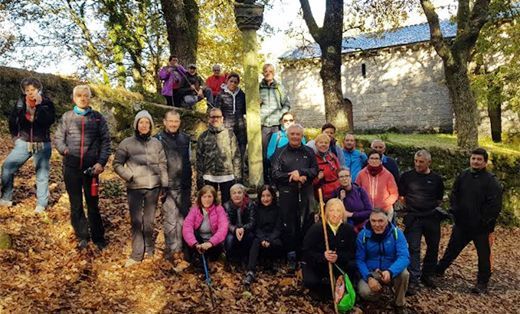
(189, 80)
(344, 243)
(38, 129)
(268, 223)
(287, 159)
(240, 218)
(177, 149)
(233, 106)
(85, 138)
(476, 200)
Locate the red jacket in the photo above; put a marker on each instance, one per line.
(329, 165)
(215, 83)
(217, 218)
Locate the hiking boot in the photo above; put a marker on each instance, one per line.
(39, 209)
(292, 264)
(480, 288)
(5, 203)
(82, 244)
(131, 262)
(250, 278)
(412, 289)
(428, 282)
(101, 245)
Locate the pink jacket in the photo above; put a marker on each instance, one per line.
(381, 189)
(217, 218)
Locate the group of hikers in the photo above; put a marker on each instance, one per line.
(360, 191)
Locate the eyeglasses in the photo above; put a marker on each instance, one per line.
(215, 117)
(374, 158)
(288, 120)
(344, 176)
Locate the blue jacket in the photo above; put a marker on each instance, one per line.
(278, 139)
(391, 253)
(354, 160)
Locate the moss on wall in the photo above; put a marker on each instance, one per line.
(117, 104)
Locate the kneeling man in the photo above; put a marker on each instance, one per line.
(382, 257)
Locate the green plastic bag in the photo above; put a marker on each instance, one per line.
(345, 295)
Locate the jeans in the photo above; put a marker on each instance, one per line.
(238, 250)
(458, 241)
(142, 203)
(415, 228)
(16, 158)
(174, 209)
(77, 184)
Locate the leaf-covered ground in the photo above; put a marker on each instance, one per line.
(43, 272)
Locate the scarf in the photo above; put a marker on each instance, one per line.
(374, 171)
(31, 108)
(334, 228)
(144, 137)
(81, 112)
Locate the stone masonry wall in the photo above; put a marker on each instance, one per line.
(402, 90)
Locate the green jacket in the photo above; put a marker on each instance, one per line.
(217, 154)
(273, 103)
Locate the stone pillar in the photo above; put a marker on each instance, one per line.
(249, 18)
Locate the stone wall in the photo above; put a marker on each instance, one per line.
(401, 89)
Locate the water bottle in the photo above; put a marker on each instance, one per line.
(94, 187)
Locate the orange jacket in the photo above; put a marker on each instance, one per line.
(381, 189)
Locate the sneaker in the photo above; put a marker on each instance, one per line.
(480, 288)
(5, 203)
(250, 278)
(428, 282)
(131, 262)
(82, 244)
(39, 209)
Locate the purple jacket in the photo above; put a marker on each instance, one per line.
(357, 202)
(171, 79)
(217, 218)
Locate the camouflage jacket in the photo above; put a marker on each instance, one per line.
(217, 154)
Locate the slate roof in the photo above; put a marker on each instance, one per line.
(398, 37)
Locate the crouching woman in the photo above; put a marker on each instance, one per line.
(140, 160)
(206, 226)
(342, 250)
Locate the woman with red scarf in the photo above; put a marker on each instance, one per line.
(379, 183)
(328, 165)
(241, 214)
(29, 124)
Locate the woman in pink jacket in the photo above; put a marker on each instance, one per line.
(379, 184)
(206, 226)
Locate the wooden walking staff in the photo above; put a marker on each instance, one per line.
(325, 234)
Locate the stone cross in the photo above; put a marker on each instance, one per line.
(249, 17)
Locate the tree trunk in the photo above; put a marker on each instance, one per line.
(464, 104)
(336, 109)
(182, 25)
(494, 109)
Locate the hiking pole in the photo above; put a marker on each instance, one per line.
(208, 280)
(331, 274)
